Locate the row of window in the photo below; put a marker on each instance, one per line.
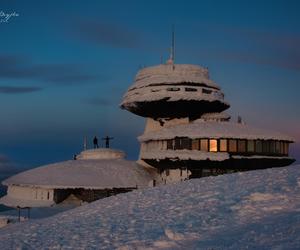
(265, 147)
(189, 89)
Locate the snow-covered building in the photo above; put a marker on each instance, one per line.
(187, 130)
(96, 174)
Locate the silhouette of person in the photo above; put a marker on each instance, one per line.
(107, 139)
(95, 141)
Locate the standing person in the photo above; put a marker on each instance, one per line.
(95, 141)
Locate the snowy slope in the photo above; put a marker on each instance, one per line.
(257, 209)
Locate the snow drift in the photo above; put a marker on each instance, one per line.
(258, 209)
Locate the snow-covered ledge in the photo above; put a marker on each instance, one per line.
(101, 154)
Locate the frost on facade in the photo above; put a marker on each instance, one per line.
(187, 131)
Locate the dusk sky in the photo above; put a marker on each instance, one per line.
(65, 65)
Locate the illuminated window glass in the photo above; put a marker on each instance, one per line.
(223, 145)
(170, 144)
(281, 147)
(242, 146)
(232, 146)
(277, 147)
(250, 145)
(213, 145)
(286, 148)
(258, 146)
(195, 144)
(204, 145)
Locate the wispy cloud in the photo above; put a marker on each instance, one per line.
(111, 34)
(18, 90)
(280, 50)
(20, 67)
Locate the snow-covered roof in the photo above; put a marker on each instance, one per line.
(100, 154)
(214, 129)
(247, 210)
(13, 202)
(88, 174)
(170, 74)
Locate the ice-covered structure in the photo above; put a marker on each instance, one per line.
(96, 173)
(187, 132)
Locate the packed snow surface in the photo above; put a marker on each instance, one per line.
(214, 129)
(248, 210)
(170, 74)
(101, 153)
(93, 174)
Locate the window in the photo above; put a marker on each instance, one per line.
(281, 147)
(173, 89)
(48, 195)
(266, 147)
(232, 146)
(190, 89)
(242, 146)
(185, 143)
(258, 146)
(286, 148)
(177, 143)
(223, 145)
(272, 147)
(250, 146)
(204, 145)
(277, 147)
(170, 144)
(213, 145)
(206, 91)
(195, 144)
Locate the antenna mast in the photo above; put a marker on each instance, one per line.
(173, 45)
(172, 50)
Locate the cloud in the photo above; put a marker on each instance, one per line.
(261, 47)
(97, 101)
(105, 33)
(18, 90)
(20, 67)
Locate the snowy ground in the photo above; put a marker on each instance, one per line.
(250, 210)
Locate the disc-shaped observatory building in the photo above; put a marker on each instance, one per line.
(187, 133)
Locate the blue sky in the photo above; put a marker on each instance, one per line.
(64, 66)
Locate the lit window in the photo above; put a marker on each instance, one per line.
(195, 144)
(204, 145)
(281, 147)
(242, 146)
(232, 145)
(258, 146)
(213, 145)
(286, 148)
(250, 146)
(223, 145)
